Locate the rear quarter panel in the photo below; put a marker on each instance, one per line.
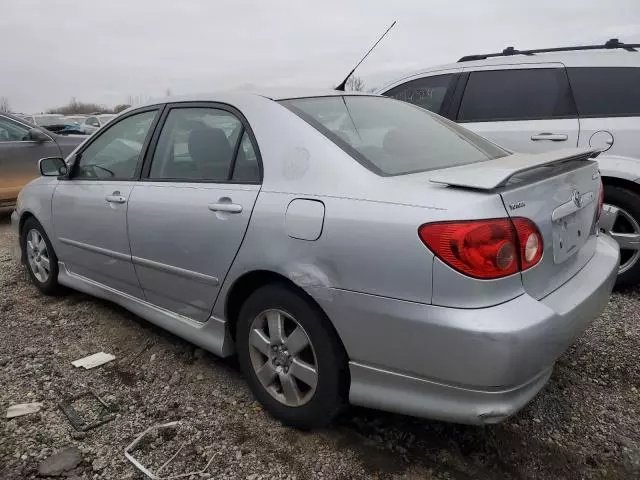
(364, 246)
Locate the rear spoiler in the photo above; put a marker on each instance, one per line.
(496, 173)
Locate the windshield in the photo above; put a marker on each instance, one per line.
(390, 137)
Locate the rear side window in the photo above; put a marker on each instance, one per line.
(428, 92)
(390, 137)
(531, 94)
(606, 91)
(204, 145)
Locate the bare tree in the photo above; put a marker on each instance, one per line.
(355, 83)
(4, 105)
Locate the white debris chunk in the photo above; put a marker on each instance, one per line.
(94, 360)
(23, 409)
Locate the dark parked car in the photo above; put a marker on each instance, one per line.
(22, 144)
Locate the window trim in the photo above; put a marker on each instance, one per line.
(561, 72)
(159, 108)
(148, 158)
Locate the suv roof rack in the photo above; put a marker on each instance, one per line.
(610, 44)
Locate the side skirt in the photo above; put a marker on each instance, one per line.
(211, 335)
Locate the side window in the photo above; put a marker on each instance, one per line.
(428, 92)
(196, 144)
(93, 121)
(606, 91)
(494, 95)
(114, 154)
(246, 168)
(12, 131)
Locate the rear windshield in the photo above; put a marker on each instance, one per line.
(391, 137)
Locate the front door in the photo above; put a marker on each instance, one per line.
(189, 214)
(90, 208)
(526, 109)
(19, 157)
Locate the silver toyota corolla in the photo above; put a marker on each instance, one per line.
(346, 247)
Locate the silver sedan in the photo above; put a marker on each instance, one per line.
(349, 248)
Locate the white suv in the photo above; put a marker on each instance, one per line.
(537, 100)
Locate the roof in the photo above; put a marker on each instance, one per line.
(270, 93)
(581, 58)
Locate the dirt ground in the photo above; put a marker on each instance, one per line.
(584, 425)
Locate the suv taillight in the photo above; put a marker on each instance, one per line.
(600, 201)
(485, 249)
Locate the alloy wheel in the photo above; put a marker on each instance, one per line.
(625, 230)
(283, 357)
(38, 256)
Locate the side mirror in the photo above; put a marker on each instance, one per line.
(38, 136)
(52, 167)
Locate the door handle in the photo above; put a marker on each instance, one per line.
(225, 207)
(553, 137)
(115, 198)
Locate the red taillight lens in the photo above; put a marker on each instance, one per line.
(530, 242)
(485, 249)
(600, 201)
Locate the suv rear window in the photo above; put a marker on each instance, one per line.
(390, 137)
(528, 94)
(427, 92)
(606, 91)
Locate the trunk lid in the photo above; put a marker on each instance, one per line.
(558, 191)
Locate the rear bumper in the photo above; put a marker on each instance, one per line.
(466, 365)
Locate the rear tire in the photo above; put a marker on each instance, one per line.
(622, 216)
(281, 338)
(40, 258)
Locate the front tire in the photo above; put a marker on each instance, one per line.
(41, 260)
(293, 360)
(621, 219)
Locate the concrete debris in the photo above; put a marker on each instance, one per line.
(60, 462)
(93, 361)
(23, 409)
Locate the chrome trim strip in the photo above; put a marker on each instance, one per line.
(181, 272)
(99, 250)
(570, 207)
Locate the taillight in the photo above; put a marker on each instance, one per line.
(530, 242)
(485, 249)
(600, 201)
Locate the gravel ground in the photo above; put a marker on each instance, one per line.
(584, 425)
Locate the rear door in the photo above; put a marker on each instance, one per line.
(188, 216)
(19, 157)
(526, 108)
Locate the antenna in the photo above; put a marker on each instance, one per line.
(344, 82)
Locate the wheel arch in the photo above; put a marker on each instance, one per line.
(622, 183)
(26, 215)
(249, 282)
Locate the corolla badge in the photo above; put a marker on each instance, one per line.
(577, 198)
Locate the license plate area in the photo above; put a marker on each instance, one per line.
(570, 233)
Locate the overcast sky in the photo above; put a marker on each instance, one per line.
(105, 51)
